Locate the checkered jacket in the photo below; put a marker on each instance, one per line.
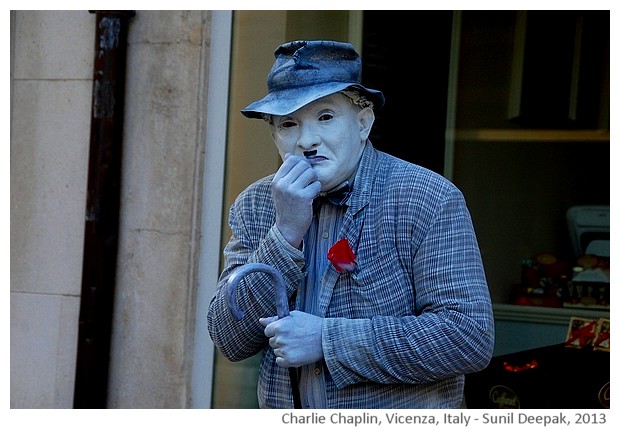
(403, 328)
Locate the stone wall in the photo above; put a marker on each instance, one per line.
(51, 82)
(164, 141)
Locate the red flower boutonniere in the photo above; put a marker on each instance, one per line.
(342, 257)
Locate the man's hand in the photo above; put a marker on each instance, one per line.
(295, 339)
(293, 188)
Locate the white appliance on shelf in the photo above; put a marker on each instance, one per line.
(588, 227)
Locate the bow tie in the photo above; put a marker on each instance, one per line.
(337, 197)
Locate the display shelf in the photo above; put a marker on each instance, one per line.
(539, 314)
(520, 327)
(531, 135)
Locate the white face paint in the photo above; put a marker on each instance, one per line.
(330, 133)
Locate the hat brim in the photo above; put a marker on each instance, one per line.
(287, 101)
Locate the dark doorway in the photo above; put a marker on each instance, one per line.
(406, 54)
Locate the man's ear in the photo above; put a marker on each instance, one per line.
(366, 117)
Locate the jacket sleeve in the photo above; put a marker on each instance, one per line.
(450, 331)
(254, 239)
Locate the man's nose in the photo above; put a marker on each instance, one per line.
(308, 137)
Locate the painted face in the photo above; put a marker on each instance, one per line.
(330, 133)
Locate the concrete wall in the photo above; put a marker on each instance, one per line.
(164, 142)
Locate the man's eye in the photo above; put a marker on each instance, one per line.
(326, 117)
(287, 124)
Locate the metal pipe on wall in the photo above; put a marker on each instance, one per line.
(102, 209)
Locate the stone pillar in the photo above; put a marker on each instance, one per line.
(165, 108)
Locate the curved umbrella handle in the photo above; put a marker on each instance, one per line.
(281, 306)
(279, 286)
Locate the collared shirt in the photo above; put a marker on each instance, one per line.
(321, 235)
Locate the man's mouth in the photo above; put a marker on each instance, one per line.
(311, 155)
